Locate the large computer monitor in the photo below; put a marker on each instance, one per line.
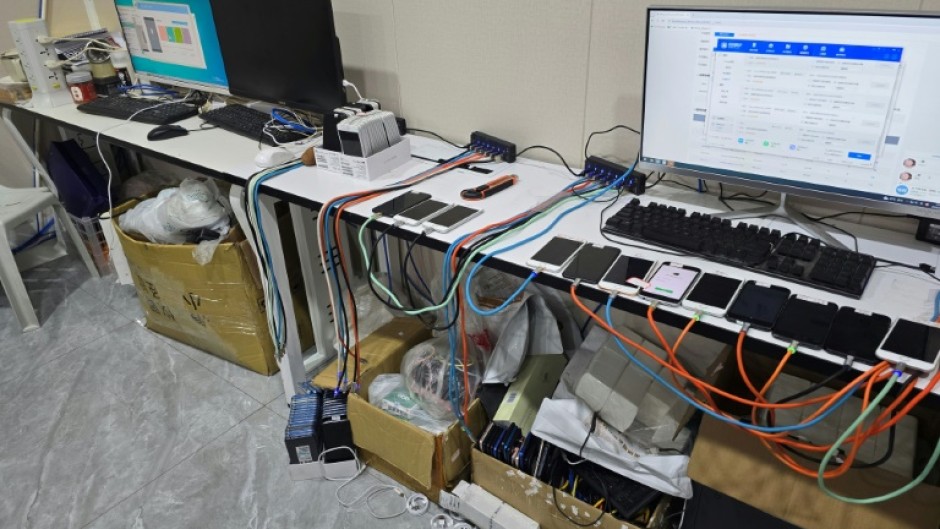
(282, 51)
(173, 42)
(838, 106)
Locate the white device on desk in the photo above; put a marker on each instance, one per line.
(555, 255)
(274, 156)
(48, 84)
(914, 344)
(627, 276)
(451, 218)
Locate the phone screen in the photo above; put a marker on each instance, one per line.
(714, 291)
(423, 210)
(914, 340)
(453, 216)
(758, 305)
(557, 251)
(591, 263)
(856, 334)
(400, 203)
(627, 268)
(670, 282)
(806, 322)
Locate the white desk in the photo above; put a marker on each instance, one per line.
(896, 292)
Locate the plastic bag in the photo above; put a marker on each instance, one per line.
(532, 329)
(426, 370)
(175, 214)
(388, 393)
(566, 423)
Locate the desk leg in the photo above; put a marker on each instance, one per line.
(292, 362)
(318, 298)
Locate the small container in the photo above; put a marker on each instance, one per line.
(81, 86)
(121, 61)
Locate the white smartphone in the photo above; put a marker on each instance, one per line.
(451, 218)
(712, 294)
(422, 212)
(670, 282)
(626, 276)
(555, 255)
(915, 344)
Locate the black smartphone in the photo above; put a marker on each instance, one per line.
(758, 304)
(857, 334)
(525, 452)
(624, 269)
(915, 344)
(510, 442)
(555, 255)
(591, 263)
(712, 294)
(805, 321)
(422, 212)
(400, 203)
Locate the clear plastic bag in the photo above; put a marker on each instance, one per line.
(388, 392)
(426, 372)
(176, 213)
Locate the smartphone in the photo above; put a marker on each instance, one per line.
(670, 282)
(591, 263)
(555, 255)
(858, 334)
(422, 212)
(626, 275)
(915, 344)
(712, 294)
(758, 304)
(451, 218)
(805, 321)
(400, 203)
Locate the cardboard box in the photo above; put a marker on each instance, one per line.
(419, 459)
(382, 352)
(735, 463)
(534, 498)
(218, 308)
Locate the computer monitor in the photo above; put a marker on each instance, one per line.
(838, 106)
(282, 51)
(173, 42)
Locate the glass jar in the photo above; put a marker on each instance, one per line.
(81, 86)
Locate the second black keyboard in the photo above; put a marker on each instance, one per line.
(250, 123)
(791, 256)
(139, 109)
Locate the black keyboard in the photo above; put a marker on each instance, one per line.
(125, 107)
(250, 123)
(791, 256)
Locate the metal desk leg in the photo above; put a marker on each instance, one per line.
(318, 298)
(292, 362)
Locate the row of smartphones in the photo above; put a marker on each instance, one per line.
(812, 323)
(415, 208)
(550, 464)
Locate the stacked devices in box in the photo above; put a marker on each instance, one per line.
(317, 424)
(362, 144)
(366, 134)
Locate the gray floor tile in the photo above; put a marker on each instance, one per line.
(262, 388)
(122, 298)
(279, 406)
(91, 427)
(67, 323)
(241, 480)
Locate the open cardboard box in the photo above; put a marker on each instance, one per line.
(735, 463)
(534, 498)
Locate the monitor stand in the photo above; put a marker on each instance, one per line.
(788, 212)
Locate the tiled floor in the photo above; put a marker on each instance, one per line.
(104, 424)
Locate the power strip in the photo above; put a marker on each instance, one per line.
(596, 168)
(493, 146)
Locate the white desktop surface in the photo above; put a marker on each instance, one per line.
(896, 292)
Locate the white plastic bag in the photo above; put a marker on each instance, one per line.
(566, 423)
(388, 393)
(426, 370)
(532, 329)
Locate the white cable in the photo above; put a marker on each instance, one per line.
(417, 504)
(347, 84)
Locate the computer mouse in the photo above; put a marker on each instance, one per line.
(165, 132)
(273, 156)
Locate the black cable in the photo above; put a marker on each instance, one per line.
(438, 136)
(658, 180)
(427, 320)
(587, 144)
(556, 153)
(818, 220)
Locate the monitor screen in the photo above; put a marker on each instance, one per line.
(173, 42)
(832, 105)
(282, 51)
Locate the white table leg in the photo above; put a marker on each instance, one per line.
(318, 298)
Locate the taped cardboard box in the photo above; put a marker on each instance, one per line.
(735, 463)
(218, 308)
(534, 498)
(382, 352)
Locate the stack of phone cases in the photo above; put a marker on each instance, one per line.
(302, 436)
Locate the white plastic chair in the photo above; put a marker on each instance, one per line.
(16, 207)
